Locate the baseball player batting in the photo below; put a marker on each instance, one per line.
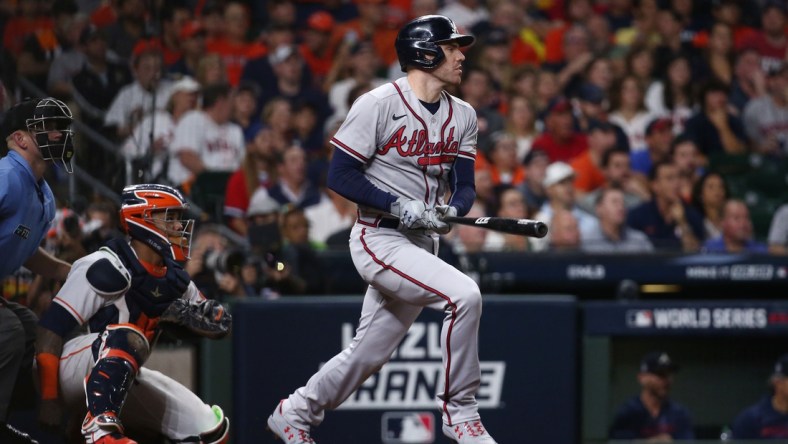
(402, 148)
(119, 295)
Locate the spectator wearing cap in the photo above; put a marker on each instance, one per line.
(145, 149)
(465, 13)
(737, 234)
(669, 222)
(493, 54)
(535, 162)
(612, 234)
(714, 128)
(671, 96)
(477, 89)
(652, 414)
(558, 183)
(628, 110)
(686, 156)
(138, 99)
(591, 104)
(560, 140)
(771, 41)
(316, 47)
(360, 64)
(618, 174)
(588, 165)
(768, 418)
(192, 45)
(766, 117)
(233, 46)
(289, 81)
(659, 136)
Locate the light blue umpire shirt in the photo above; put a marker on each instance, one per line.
(27, 208)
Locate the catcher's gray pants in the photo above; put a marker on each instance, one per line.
(404, 275)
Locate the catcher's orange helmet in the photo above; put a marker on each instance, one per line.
(153, 214)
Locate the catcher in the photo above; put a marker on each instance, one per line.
(116, 300)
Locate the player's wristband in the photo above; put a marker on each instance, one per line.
(48, 367)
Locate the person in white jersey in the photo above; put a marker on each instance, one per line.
(404, 147)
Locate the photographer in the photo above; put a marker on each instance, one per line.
(216, 263)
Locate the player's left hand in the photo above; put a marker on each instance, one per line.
(434, 219)
(445, 211)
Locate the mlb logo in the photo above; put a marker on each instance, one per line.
(408, 427)
(640, 318)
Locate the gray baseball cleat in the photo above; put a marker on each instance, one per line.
(285, 431)
(469, 432)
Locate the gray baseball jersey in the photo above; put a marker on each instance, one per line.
(409, 152)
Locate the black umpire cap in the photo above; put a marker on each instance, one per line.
(15, 119)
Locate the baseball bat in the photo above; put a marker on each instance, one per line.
(523, 227)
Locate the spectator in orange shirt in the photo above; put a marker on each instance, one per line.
(29, 20)
(505, 168)
(578, 12)
(192, 41)
(587, 166)
(233, 46)
(370, 25)
(316, 47)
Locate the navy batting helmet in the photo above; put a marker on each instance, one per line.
(422, 36)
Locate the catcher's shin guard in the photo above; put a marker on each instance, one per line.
(121, 351)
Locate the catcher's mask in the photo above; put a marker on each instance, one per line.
(154, 214)
(50, 127)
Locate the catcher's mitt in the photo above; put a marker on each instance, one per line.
(206, 319)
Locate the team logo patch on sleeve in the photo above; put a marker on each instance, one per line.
(22, 231)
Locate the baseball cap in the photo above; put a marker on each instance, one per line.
(559, 105)
(658, 362)
(659, 124)
(185, 84)
(15, 119)
(91, 32)
(591, 93)
(320, 21)
(282, 53)
(776, 69)
(557, 172)
(261, 204)
(534, 154)
(781, 366)
(601, 125)
(496, 36)
(191, 29)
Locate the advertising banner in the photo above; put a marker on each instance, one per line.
(528, 356)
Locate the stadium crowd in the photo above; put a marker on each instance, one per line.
(627, 125)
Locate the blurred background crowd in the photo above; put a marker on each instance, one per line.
(629, 126)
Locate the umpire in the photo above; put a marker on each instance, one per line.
(36, 132)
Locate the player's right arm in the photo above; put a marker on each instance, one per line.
(356, 143)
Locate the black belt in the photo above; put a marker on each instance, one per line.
(389, 223)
